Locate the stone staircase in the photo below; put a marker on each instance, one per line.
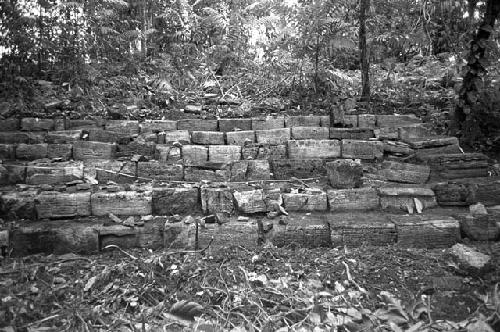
(80, 185)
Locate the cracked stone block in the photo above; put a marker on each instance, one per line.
(181, 136)
(357, 149)
(307, 201)
(284, 169)
(344, 173)
(351, 133)
(18, 205)
(122, 203)
(415, 131)
(54, 205)
(214, 200)
(426, 231)
(304, 231)
(167, 153)
(226, 235)
(7, 152)
(455, 166)
(159, 171)
(353, 199)
(397, 148)
(367, 120)
(250, 170)
(170, 201)
(62, 151)
(404, 172)
(108, 136)
(240, 137)
(18, 137)
(207, 137)
(136, 148)
(36, 124)
(224, 153)
(264, 151)
(157, 126)
(250, 201)
(431, 142)
(31, 151)
(63, 136)
(195, 174)
(310, 133)
(118, 172)
(10, 124)
(303, 121)
(314, 149)
(150, 235)
(128, 127)
(268, 123)
(396, 120)
(229, 125)
(53, 173)
(197, 125)
(273, 136)
(355, 230)
(84, 150)
(422, 154)
(194, 154)
(403, 198)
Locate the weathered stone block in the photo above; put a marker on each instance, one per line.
(396, 120)
(250, 201)
(357, 149)
(118, 172)
(224, 153)
(7, 152)
(197, 125)
(480, 227)
(181, 136)
(90, 166)
(170, 201)
(314, 149)
(12, 173)
(128, 127)
(351, 133)
(167, 153)
(273, 136)
(250, 170)
(228, 125)
(324, 121)
(83, 150)
(136, 148)
(62, 151)
(457, 194)
(426, 231)
(63, 136)
(307, 201)
(264, 151)
(431, 142)
(207, 137)
(149, 170)
(17, 137)
(226, 235)
(284, 169)
(84, 124)
(151, 137)
(18, 205)
(195, 174)
(415, 131)
(150, 235)
(353, 199)
(459, 165)
(54, 205)
(214, 200)
(240, 137)
(61, 123)
(194, 154)
(304, 231)
(108, 136)
(350, 120)
(367, 120)
(122, 203)
(31, 151)
(344, 173)
(268, 123)
(36, 124)
(386, 133)
(310, 133)
(440, 150)
(397, 148)
(157, 126)
(10, 124)
(303, 121)
(403, 198)
(404, 172)
(53, 173)
(354, 230)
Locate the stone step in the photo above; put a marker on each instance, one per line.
(457, 165)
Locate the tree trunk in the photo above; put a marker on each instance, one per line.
(363, 52)
(472, 81)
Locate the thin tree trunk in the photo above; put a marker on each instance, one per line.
(363, 51)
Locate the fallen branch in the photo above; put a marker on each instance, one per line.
(120, 249)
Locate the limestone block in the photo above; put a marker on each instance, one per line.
(273, 136)
(61, 123)
(91, 166)
(228, 125)
(480, 227)
(54, 205)
(284, 169)
(353, 199)
(170, 201)
(367, 120)
(18, 205)
(403, 198)
(10, 124)
(36, 124)
(426, 231)
(431, 142)
(12, 173)
(324, 121)
(181, 136)
(84, 150)
(454, 166)
(128, 127)
(118, 172)
(415, 131)
(310, 133)
(136, 148)
(207, 137)
(396, 120)
(157, 126)
(151, 137)
(150, 235)
(357, 149)
(304, 231)
(307, 201)
(350, 120)
(226, 235)
(250, 201)
(351, 133)
(214, 200)
(397, 148)
(167, 153)
(344, 173)
(224, 153)
(268, 123)
(354, 230)
(386, 133)
(53, 173)
(159, 171)
(197, 125)
(84, 124)
(303, 121)
(440, 150)
(62, 151)
(31, 151)
(195, 174)
(314, 149)
(63, 136)
(194, 154)
(18, 137)
(404, 172)
(240, 137)
(250, 170)
(108, 136)
(264, 151)
(7, 152)
(122, 203)
(458, 194)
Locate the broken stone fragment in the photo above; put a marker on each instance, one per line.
(345, 173)
(470, 259)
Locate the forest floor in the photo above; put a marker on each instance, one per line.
(325, 289)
